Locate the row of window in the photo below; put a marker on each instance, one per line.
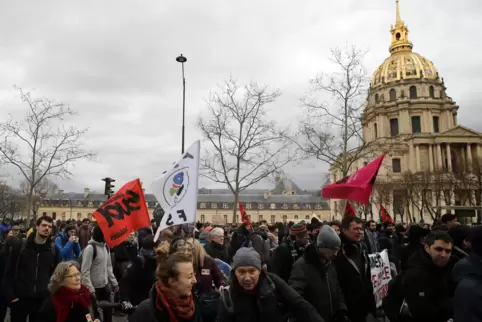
(260, 218)
(392, 94)
(83, 204)
(416, 126)
(64, 215)
(273, 206)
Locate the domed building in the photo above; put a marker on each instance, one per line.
(410, 116)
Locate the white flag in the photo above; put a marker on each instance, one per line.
(176, 191)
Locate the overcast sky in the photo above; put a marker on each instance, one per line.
(114, 63)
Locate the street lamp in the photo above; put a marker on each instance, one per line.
(181, 59)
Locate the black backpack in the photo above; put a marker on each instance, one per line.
(94, 252)
(393, 303)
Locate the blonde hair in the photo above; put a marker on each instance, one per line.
(58, 277)
(199, 255)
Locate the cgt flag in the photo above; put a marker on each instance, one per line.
(123, 213)
(384, 216)
(349, 211)
(358, 186)
(176, 190)
(244, 215)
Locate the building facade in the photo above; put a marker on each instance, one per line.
(410, 116)
(285, 202)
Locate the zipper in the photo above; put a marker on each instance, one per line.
(36, 275)
(329, 293)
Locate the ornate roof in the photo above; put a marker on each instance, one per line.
(403, 63)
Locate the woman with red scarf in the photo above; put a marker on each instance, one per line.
(70, 301)
(171, 298)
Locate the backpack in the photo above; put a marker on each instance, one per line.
(94, 252)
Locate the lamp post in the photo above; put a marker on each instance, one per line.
(181, 59)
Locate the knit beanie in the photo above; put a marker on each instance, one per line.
(475, 239)
(246, 257)
(297, 229)
(328, 238)
(97, 234)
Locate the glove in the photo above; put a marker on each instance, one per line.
(116, 289)
(341, 316)
(126, 306)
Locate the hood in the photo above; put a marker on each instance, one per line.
(261, 233)
(468, 267)
(93, 242)
(204, 235)
(31, 242)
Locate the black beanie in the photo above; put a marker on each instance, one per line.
(97, 234)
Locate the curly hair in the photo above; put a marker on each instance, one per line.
(58, 277)
(168, 268)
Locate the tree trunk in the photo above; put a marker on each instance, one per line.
(235, 207)
(29, 205)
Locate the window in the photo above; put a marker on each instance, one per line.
(285, 206)
(260, 218)
(89, 216)
(435, 124)
(248, 205)
(203, 218)
(413, 92)
(79, 215)
(225, 205)
(225, 219)
(431, 92)
(214, 205)
(273, 206)
(273, 219)
(416, 128)
(91, 204)
(79, 204)
(202, 205)
(396, 166)
(296, 206)
(375, 129)
(393, 95)
(318, 206)
(285, 218)
(376, 98)
(296, 217)
(44, 213)
(307, 217)
(393, 127)
(261, 206)
(307, 206)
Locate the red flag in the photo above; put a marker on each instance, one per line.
(384, 216)
(123, 213)
(358, 186)
(349, 211)
(244, 215)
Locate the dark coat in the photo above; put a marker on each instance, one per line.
(217, 251)
(354, 275)
(28, 270)
(206, 275)
(425, 288)
(264, 304)
(284, 256)
(318, 284)
(147, 312)
(467, 274)
(138, 280)
(389, 241)
(257, 240)
(76, 314)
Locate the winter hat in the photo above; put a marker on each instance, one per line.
(97, 234)
(297, 229)
(204, 235)
(328, 238)
(246, 257)
(475, 239)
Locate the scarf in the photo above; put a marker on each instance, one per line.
(66, 298)
(175, 306)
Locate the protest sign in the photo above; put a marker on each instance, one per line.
(123, 213)
(176, 190)
(381, 275)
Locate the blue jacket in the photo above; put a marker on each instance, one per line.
(68, 251)
(467, 274)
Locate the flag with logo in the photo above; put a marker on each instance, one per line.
(124, 212)
(176, 190)
(357, 186)
(349, 211)
(244, 215)
(385, 216)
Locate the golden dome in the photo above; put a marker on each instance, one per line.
(402, 63)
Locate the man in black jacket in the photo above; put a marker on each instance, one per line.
(28, 272)
(314, 277)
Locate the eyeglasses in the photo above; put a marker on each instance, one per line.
(74, 276)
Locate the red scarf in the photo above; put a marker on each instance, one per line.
(66, 298)
(175, 306)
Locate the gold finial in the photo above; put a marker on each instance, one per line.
(399, 32)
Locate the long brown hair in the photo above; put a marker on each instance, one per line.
(167, 268)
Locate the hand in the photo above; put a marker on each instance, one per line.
(14, 300)
(72, 239)
(116, 289)
(126, 306)
(222, 288)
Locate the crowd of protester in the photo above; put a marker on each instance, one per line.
(306, 271)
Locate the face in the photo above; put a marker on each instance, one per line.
(72, 232)
(302, 239)
(44, 229)
(218, 239)
(247, 276)
(453, 223)
(72, 279)
(276, 232)
(13, 232)
(131, 237)
(336, 228)
(185, 280)
(328, 253)
(354, 231)
(185, 247)
(389, 228)
(439, 252)
(373, 226)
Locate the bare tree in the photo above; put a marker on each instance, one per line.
(332, 131)
(248, 147)
(40, 145)
(11, 202)
(44, 188)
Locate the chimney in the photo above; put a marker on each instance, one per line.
(86, 192)
(61, 191)
(266, 194)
